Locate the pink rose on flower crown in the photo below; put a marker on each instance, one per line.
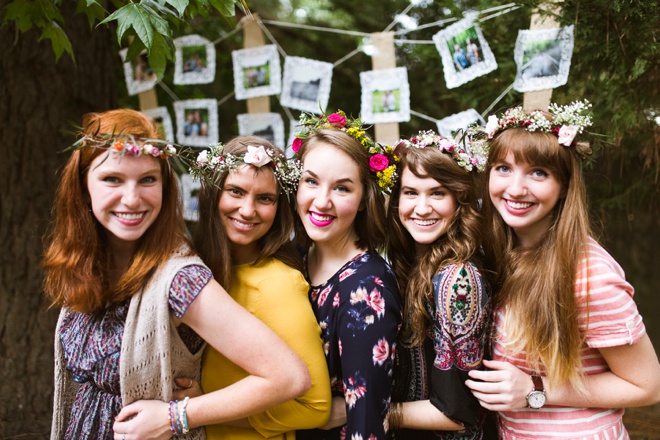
(492, 126)
(256, 156)
(446, 145)
(378, 162)
(297, 143)
(567, 134)
(337, 120)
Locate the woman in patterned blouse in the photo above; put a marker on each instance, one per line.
(433, 243)
(353, 291)
(136, 302)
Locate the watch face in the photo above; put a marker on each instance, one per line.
(536, 399)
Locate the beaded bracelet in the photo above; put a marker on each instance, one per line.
(183, 416)
(173, 418)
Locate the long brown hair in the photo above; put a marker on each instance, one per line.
(461, 243)
(536, 287)
(76, 258)
(369, 222)
(211, 239)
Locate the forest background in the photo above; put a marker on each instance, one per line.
(615, 65)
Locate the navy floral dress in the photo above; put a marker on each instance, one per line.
(92, 345)
(359, 313)
(456, 344)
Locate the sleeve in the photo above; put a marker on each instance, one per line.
(607, 313)
(185, 287)
(283, 306)
(459, 337)
(367, 328)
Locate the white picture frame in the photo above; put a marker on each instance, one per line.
(257, 72)
(190, 189)
(385, 96)
(543, 58)
(196, 131)
(306, 84)
(447, 127)
(269, 126)
(138, 73)
(194, 60)
(161, 117)
(464, 51)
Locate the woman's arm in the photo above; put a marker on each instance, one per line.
(277, 374)
(633, 380)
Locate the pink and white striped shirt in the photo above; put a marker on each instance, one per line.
(612, 320)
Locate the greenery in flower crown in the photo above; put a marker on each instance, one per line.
(211, 165)
(467, 156)
(567, 122)
(382, 160)
(126, 144)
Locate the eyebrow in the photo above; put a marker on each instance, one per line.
(344, 180)
(235, 186)
(438, 186)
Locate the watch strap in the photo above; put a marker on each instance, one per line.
(538, 383)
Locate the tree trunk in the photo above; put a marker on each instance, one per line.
(39, 99)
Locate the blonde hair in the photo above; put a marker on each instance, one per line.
(536, 286)
(461, 243)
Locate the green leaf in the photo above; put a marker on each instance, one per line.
(160, 24)
(226, 7)
(179, 5)
(22, 11)
(137, 17)
(92, 9)
(160, 53)
(58, 40)
(134, 49)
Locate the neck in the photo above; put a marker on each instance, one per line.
(324, 260)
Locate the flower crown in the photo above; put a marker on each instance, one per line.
(382, 160)
(126, 144)
(212, 163)
(567, 121)
(467, 156)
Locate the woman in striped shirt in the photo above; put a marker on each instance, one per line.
(569, 348)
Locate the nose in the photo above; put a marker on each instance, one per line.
(422, 207)
(517, 186)
(131, 196)
(322, 199)
(247, 208)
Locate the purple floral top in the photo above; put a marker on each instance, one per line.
(92, 345)
(359, 313)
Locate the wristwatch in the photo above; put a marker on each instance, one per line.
(536, 398)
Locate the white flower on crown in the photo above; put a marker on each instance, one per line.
(202, 157)
(567, 134)
(492, 126)
(256, 156)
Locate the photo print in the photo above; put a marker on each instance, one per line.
(449, 126)
(385, 95)
(294, 126)
(139, 75)
(163, 121)
(194, 60)
(269, 126)
(464, 52)
(197, 122)
(257, 72)
(306, 84)
(190, 189)
(543, 58)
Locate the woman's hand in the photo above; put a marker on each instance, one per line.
(337, 414)
(501, 388)
(143, 420)
(188, 388)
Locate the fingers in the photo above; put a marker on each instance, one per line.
(190, 388)
(127, 412)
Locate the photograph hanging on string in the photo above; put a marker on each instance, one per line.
(257, 72)
(543, 58)
(190, 189)
(197, 122)
(306, 84)
(385, 96)
(138, 74)
(464, 51)
(161, 117)
(294, 126)
(269, 126)
(194, 60)
(451, 125)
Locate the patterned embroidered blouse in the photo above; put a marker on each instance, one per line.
(437, 371)
(359, 313)
(92, 345)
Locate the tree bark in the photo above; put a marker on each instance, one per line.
(39, 99)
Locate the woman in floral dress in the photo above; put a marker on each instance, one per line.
(353, 291)
(137, 304)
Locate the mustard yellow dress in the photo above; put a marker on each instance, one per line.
(277, 295)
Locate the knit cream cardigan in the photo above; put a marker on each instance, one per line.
(152, 353)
